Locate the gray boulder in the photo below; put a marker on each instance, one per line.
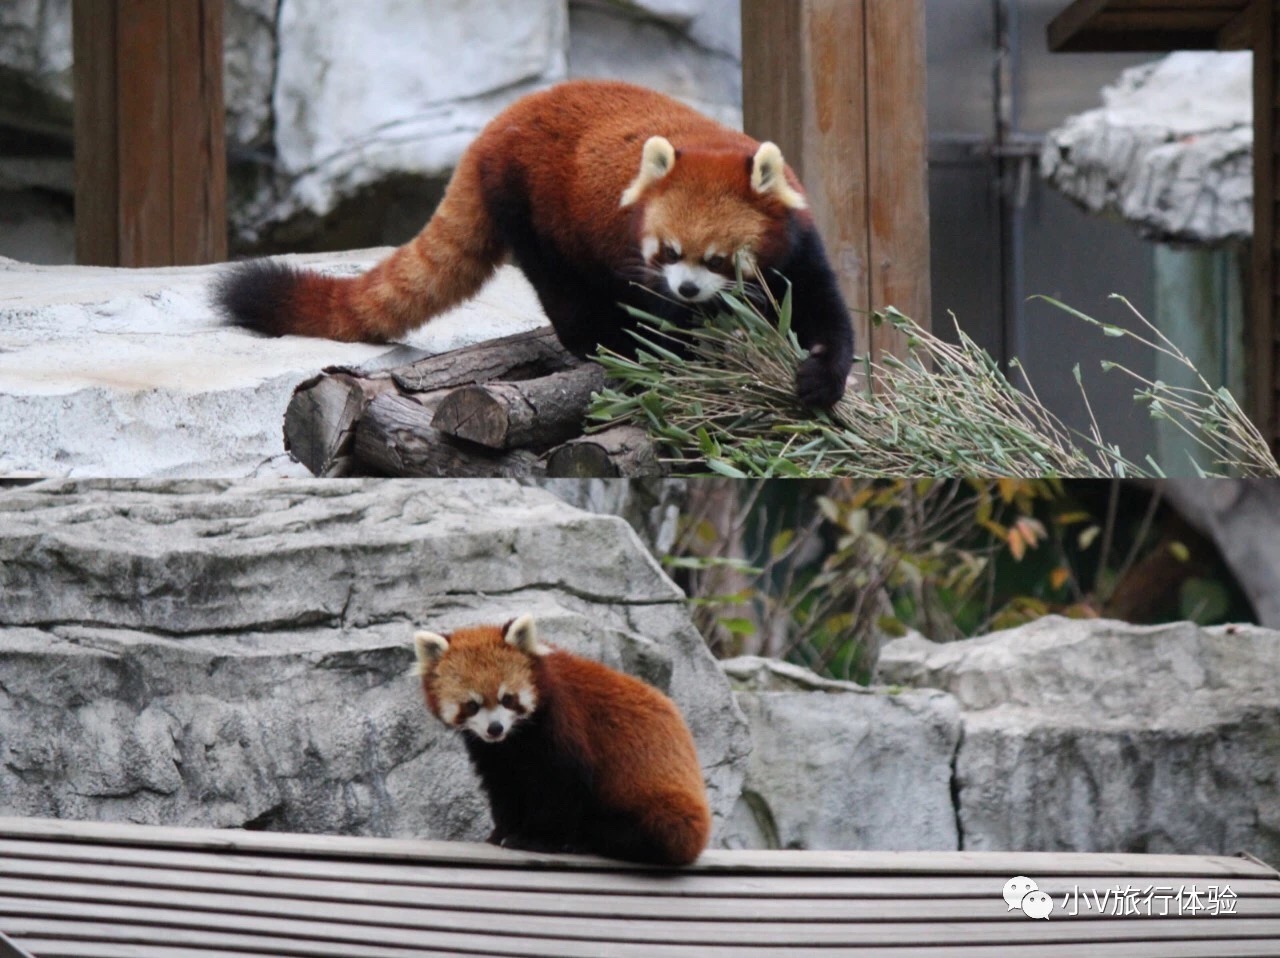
(238, 655)
(1170, 150)
(1100, 736)
(837, 765)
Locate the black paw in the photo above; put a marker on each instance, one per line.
(525, 843)
(819, 382)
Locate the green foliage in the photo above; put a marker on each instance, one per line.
(821, 573)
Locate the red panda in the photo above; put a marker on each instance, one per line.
(574, 757)
(605, 195)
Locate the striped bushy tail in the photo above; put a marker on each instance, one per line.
(444, 265)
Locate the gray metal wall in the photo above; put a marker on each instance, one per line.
(1000, 236)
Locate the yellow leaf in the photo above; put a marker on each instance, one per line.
(1179, 551)
(1086, 537)
(1017, 546)
(1032, 530)
(1071, 518)
(1059, 576)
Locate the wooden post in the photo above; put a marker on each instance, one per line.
(840, 86)
(149, 142)
(1263, 388)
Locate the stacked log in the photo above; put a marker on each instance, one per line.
(512, 407)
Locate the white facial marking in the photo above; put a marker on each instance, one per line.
(649, 247)
(484, 722)
(449, 712)
(527, 699)
(707, 282)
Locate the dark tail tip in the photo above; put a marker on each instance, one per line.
(258, 295)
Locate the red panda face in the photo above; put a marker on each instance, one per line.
(697, 276)
(480, 680)
(710, 216)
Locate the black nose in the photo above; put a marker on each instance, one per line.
(495, 729)
(689, 289)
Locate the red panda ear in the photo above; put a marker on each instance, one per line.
(656, 162)
(523, 635)
(429, 646)
(769, 177)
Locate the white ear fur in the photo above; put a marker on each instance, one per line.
(523, 634)
(655, 163)
(429, 646)
(768, 175)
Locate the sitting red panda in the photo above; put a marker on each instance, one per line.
(574, 756)
(605, 195)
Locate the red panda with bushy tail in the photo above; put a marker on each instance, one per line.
(574, 757)
(605, 195)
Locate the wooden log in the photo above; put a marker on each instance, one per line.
(522, 356)
(319, 424)
(536, 412)
(394, 437)
(624, 451)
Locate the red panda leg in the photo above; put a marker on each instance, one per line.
(444, 265)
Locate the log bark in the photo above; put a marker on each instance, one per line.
(522, 356)
(320, 421)
(623, 451)
(319, 424)
(394, 437)
(536, 413)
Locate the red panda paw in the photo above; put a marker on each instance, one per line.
(527, 844)
(818, 381)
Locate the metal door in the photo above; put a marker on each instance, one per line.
(999, 235)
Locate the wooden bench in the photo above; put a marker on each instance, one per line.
(93, 890)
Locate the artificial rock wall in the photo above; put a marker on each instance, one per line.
(344, 119)
(237, 655)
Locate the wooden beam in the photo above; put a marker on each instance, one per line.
(897, 160)
(839, 85)
(149, 143)
(1067, 26)
(1093, 26)
(96, 136)
(1264, 393)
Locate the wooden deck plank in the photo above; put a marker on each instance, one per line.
(507, 881)
(398, 905)
(57, 948)
(47, 943)
(479, 856)
(568, 932)
(177, 893)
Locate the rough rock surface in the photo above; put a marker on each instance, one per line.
(837, 765)
(363, 90)
(1101, 736)
(227, 655)
(344, 119)
(118, 372)
(1170, 150)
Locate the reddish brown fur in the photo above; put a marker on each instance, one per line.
(575, 149)
(630, 739)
